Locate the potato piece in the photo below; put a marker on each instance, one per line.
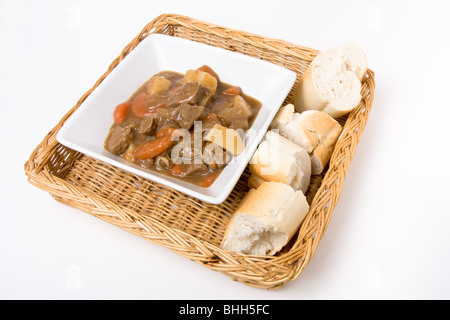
(228, 139)
(157, 85)
(190, 76)
(205, 79)
(240, 103)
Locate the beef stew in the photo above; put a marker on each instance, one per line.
(162, 125)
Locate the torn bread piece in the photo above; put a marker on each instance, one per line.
(283, 116)
(266, 219)
(316, 132)
(278, 159)
(227, 138)
(332, 81)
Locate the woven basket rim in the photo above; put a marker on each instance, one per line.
(269, 272)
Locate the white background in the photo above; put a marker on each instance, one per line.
(389, 235)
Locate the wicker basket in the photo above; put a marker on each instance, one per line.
(185, 225)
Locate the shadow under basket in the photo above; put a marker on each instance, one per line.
(185, 225)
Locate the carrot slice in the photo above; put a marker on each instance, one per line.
(121, 112)
(139, 106)
(233, 91)
(208, 69)
(152, 148)
(207, 180)
(176, 170)
(211, 117)
(166, 131)
(143, 105)
(210, 120)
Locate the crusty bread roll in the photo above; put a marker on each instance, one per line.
(266, 219)
(283, 116)
(315, 131)
(332, 81)
(278, 159)
(254, 181)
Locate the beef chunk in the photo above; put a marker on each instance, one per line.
(168, 118)
(187, 93)
(239, 124)
(189, 114)
(170, 114)
(184, 115)
(221, 103)
(205, 97)
(148, 124)
(119, 139)
(164, 122)
(236, 116)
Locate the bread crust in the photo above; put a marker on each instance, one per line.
(278, 159)
(316, 132)
(276, 209)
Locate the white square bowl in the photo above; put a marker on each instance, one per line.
(86, 130)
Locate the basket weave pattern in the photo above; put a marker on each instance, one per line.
(185, 225)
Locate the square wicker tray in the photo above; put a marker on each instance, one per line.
(185, 225)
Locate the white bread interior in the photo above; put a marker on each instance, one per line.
(332, 81)
(354, 57)
(283, 116)
(278, 159)
(316, 132)
(266, 219)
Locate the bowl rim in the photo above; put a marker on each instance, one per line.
(223, 186)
